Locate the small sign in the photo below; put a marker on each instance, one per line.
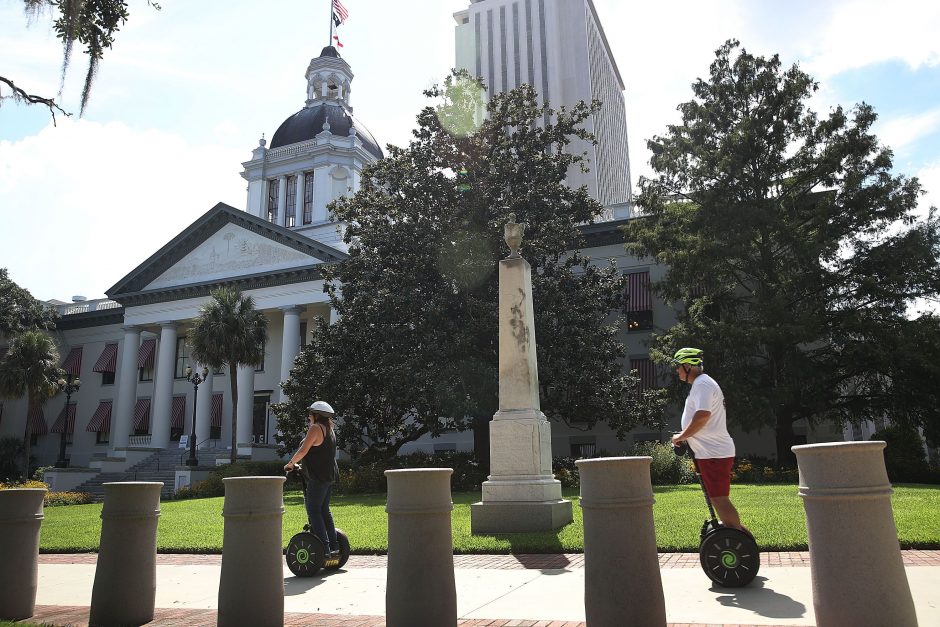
(184, 441)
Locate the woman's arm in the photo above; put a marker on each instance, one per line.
(313, 438)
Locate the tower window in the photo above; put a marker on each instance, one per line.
(332, 91)
(308, 197)
(272, 200)
(291, 211)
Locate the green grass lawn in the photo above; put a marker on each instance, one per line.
(773, 512)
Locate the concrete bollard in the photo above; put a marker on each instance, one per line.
(125, 586)
(20, 519)
(622, 583)
(420, 590)
(855, 559)
(251, 585)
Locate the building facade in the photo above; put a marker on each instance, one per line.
(559, 48)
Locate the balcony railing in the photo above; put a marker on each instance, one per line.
(86, 306)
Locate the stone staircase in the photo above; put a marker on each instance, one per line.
(161, 466)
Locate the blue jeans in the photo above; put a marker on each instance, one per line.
(317, 501)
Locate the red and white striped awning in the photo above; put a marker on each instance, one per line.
(107, 361)
(73, 363)
(37, 422)
(142, 414)
(217, 410)
(646, 370)
(146, 352)
(638, 297)
(65, 423)
(179, 412)
(101, 421)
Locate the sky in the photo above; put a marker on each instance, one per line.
(187, 91)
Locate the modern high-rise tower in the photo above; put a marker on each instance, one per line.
(558, 47)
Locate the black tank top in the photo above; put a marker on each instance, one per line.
(319, 464)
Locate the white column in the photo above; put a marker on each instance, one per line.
(203, 406)
(122, 416)
(163, 386)
(246, 403)
(290, 343)
(282, 200)
(299, 204)
(322, 194)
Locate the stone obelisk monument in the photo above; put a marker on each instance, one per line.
(521, 494)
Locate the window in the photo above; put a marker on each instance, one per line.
(260, 367)
(273, 186)
(107, 364)
(182, 357)
(291, 211)
(102, 437)
(308, 197)
(646, 371)
(259, 422)
(638, 305)
(145, 355)
(107, 378)
(583, 446)
(303, 334)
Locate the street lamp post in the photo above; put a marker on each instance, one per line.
(69, 386)
(195, 378)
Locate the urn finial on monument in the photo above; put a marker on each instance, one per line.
(513, 235)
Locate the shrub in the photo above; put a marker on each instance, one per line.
(761, 470)
(56, 499)
(11, 450)
(213, 485)
(566, 471)
(905, 458)
(667, 468)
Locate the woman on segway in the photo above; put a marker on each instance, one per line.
(317, 458)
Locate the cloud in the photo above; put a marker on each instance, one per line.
(899, 132)
(84, 203)
(859, 33)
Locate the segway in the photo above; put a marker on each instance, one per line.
(730, 557)
(306, 555)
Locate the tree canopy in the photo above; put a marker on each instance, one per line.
(797, 251)
(414, 350)
(92, 23)
(229, 331)
(19, 311)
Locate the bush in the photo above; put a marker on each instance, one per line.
(213, 485)
(761, 470)
(56, 499)
(667, 468)
(11, 450)
(358, 478)
(905, 458)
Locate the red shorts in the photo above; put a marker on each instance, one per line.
(716, 475)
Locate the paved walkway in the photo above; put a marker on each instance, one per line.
(492, 590)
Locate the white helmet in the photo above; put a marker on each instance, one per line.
(322, 407)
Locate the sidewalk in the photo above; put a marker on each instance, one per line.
(492, 590)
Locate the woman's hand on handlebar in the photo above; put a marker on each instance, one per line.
(289, 466)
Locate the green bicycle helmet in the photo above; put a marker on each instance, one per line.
(690, 356)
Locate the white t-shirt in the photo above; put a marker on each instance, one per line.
(712, 440)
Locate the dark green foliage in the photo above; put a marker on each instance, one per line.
(58, 499)
(415, 348)
(905, 458)
(213, 485)
(667, 468)
(229, 332)
(11, 454)
(30, 368)
(807, 247)
(19, 311)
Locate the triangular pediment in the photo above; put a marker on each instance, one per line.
(224, 246)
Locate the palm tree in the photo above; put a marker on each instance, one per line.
(30, 368)
(229, 332)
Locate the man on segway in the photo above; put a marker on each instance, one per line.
(317, 459)
(705, 430)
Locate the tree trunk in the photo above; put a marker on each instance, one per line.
(481, 440)
(233, 377)
(27, 437)
(785, 439)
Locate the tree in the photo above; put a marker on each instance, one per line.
(19, 311)
(90, 22)
(229, 332)
(415, 348)
(806, 247)
(30, 368)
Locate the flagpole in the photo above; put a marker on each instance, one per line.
(330, 42)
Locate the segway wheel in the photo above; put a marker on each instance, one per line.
(343, 540)
(730, 557)
(305, 555)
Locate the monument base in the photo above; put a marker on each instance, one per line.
(519, 516)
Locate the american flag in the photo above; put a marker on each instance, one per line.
(340, 14)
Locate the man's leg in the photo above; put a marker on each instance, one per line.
(727, 513)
